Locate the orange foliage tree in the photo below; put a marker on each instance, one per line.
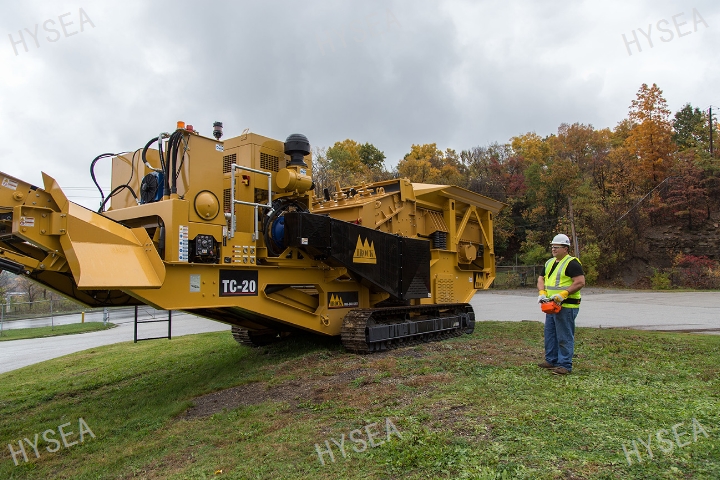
(651, 137)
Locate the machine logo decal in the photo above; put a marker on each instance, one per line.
(238, 283)
(219, 147)
(343, 299)
(364, 252)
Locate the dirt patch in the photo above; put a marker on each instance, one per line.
(249, 394)
(376, 382)
(495, 352)
(292, 392)
(411, 354)
(462, 421)
(382, 379)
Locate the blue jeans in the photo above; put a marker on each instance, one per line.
(560, 337)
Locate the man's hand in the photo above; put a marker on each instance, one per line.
(560, 297)
(542, 297)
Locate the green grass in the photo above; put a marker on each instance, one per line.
(41, 332)
(474, 407)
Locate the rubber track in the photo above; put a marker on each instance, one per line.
(244, 337)
(354, 337)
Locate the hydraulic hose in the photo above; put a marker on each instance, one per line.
(92, 172)
(184, 141)
(173, 156)
(170, 161)
(144, 154)
(166, 167)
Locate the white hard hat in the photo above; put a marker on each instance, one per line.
(561, 239)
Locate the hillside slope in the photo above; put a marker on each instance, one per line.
(472, 407)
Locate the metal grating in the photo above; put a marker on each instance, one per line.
(444, 289)
(269, 162)
(417, 289)
(226, 200)
(228, 160)
(436, 221)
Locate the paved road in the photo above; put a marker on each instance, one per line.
(677, 311)
(116, 315)
(20, 353)
(604, 308)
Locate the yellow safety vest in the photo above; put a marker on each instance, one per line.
(558, 281)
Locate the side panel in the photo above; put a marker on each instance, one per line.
(397, 265)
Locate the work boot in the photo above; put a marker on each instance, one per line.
(545, 364)
(560, 371)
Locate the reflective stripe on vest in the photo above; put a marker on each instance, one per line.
(558, 281)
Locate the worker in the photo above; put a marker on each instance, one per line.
(561, 283)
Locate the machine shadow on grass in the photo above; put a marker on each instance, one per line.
(301, 343)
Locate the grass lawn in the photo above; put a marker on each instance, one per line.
(41, 332)
(474, 407)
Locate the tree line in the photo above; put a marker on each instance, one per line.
(654, 167)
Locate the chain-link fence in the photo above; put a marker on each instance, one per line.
(13, 309)
(517, 276)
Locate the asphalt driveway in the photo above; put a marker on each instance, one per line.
(697, 312)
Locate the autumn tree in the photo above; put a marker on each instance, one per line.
(345, 161)
(687, 197)
(494, 171)
(532, 147)
(574, 142)
(650, 139)
(427, 164)
(349, 163)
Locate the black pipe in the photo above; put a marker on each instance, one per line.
(160, 152)
(166, 167)
(174, 153)
(12, 267)
(171, 161)
(144, 152)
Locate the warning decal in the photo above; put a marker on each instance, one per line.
(195, 282)
(9, 183)
(183, 243)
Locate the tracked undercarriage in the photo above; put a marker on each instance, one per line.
(378, 329)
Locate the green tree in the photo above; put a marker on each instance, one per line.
(373, 158)
(345, 158)
(689, 130)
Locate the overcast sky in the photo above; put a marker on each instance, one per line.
(106, 76)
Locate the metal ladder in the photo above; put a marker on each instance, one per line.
(169, 320)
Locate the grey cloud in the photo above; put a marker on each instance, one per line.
(456, 73)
